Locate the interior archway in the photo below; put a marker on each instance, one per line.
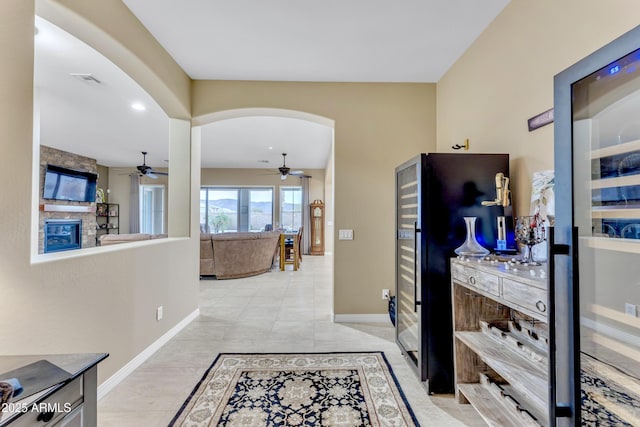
(281, 119)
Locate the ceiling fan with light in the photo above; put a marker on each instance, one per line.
(286, 171)
(145, 170)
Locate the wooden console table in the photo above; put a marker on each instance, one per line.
(72, 402)
(501, 341)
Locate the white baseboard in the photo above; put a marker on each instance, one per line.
(134, 363)
(361, 318)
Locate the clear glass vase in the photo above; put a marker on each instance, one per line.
(471, 247)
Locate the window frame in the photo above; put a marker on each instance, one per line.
(243, 192)
(289, 188)
(162, 204)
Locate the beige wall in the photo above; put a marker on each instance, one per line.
(105, 299)
(377, 126)
(506, 77)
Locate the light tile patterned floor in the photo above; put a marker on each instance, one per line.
(274, 312)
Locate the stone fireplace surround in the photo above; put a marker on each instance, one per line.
(49, 155)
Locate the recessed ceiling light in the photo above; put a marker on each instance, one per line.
(270, 148)
(138, 106)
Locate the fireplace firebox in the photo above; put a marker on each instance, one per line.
(62, 235)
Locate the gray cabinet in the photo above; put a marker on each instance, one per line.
(72, 402)
(501, 341)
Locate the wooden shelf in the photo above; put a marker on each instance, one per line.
(409, 196)
(609, 244)
(620, 181)
(613, 150)
(528, 376)
(409, 185)
(496, 408)
(533, 337)
(615, 212)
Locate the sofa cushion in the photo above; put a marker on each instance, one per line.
(206, 255)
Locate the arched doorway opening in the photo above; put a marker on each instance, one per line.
(243, 148)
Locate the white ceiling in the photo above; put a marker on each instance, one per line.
(354, 41)
(91, 119)
(330, 40)
(259, 141)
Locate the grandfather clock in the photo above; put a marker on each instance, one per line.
(317, 228)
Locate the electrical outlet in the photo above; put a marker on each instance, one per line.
(385, 294)
(630, 309)
(159, 313)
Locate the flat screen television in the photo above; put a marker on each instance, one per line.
(68, 184)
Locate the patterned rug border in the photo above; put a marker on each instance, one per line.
(215, 360)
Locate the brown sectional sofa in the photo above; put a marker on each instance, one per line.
(233, 255)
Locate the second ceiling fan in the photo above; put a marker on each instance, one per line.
(286, 171)
(146, 170)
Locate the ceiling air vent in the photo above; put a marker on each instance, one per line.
(89, 78)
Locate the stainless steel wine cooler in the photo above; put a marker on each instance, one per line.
(595, 252)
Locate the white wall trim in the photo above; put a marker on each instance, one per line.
(134, 363)
(361, 318)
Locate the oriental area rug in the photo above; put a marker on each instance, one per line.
(312, 389)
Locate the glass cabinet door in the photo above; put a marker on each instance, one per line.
(407, 272)
(606, 143)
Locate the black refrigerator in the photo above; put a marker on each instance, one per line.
(434, 192)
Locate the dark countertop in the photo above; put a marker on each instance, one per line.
(74, 364)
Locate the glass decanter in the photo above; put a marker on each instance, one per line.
(471, 247)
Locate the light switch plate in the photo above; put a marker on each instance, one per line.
(345, 234)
